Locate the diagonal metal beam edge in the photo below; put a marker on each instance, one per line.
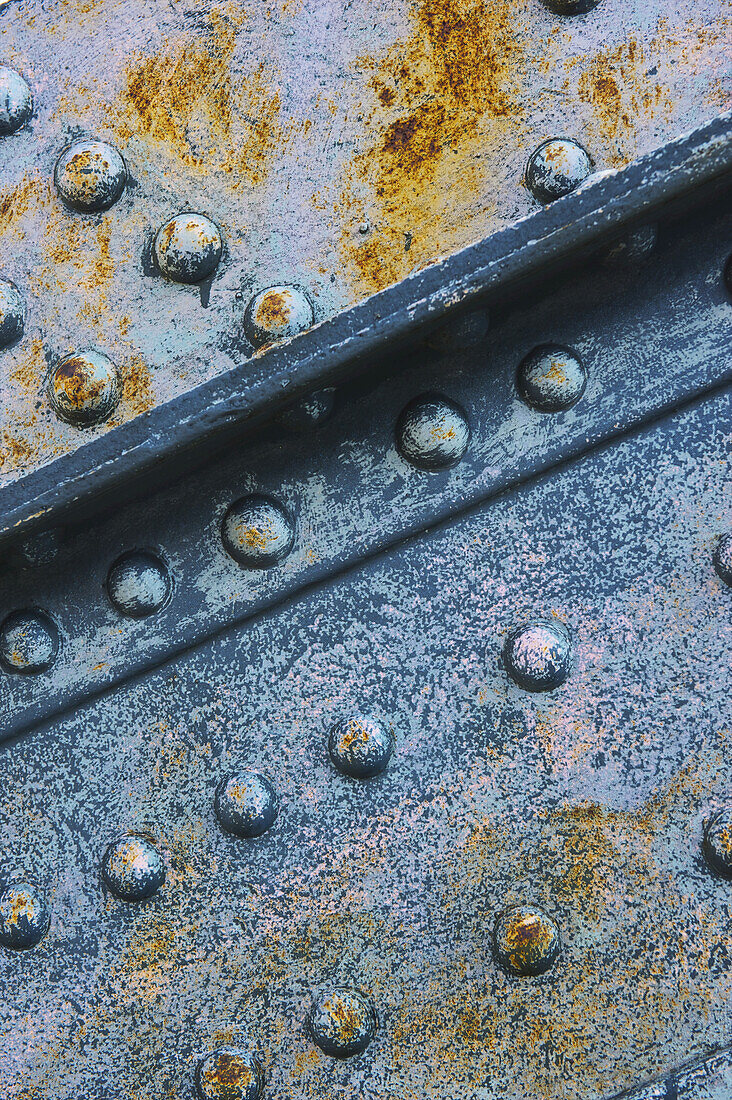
(179, 432)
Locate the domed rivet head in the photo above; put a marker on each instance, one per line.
(133, 868)
(277, 313)
(229, 1073)
(342, 1023)
(557, 167)
(138, 584)
(723, 558)
(526, 940)
(570, 7)
(188, 248)
(90, 176)
(24, 916)
(246, 804)
(12, 313)
(40, 548)
(84, 389)
(359, 746)
(309, 412)
(632, 248)
(29, 641)
(551, 378)
(717, 842)
(16, 101)
(257, 532)
(432, 432)
(539, 654)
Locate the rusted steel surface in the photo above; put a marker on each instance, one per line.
(336, 146)
(587, 803)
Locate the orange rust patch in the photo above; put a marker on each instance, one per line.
(453, 85)
(191, 97)
(29, 366)
(136, 386)
(273, 312)
(615, 82)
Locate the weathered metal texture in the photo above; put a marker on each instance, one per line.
(337, 146)
(587, 802)
(348, 491)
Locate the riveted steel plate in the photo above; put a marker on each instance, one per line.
(588, 802)
(339, 146)
(395, 596)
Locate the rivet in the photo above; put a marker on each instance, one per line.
(342, 1023)
(432, 432)
(258, 532)
(133, 868)
(24, 916)
(29, 641)
(309, 412)
(138, 584)
(188, 248)
(40, 548)
(526, 940)
(229, 1073)
(570, 7)
(12, 313)
(16, 101)
(90, 176)
(632, 248)
(277, 313)
(723, 558)
(538, 655)
(359, 746)
(717, 842)
(84, 389)
(556, 168)
(551, 378)
(246, 804)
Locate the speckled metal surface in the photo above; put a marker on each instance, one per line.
(337, 145)
(349, 491)
(588, 802)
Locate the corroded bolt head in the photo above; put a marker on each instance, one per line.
(24, 916)
(16, 101)
(723, 558)
(526, 940)
(359, 746)
(188, 248)
(133, 868)
(84, 389)
(570, 7)
(342, 1023)
(551, 378)
(29, 641)
(12, 313)
(138, 584)
(229, 1073)
(90, 176)
(246, 804)
(557, 167)
(309, 412)
(717, 842)
(258, 532)
(538, 655)
(277, 313)
(432, 432)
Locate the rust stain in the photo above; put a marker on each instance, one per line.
(616, 83)
(274, 311)
(439, 98)
(29, 366)
(137, 394)
(192, 98)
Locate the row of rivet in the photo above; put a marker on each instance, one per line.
(90, 176)
(258, 532)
